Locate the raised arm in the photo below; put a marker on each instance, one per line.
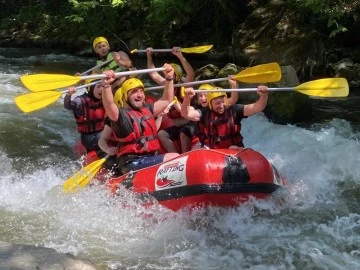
(122, 59)
(67, 98)
(260, 104)
(187, 111)
(168, 93)
(190, 73)
(107, 96)
(160, 80)
(234, 94)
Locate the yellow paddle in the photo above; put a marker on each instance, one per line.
(38, 100)
(265, 73)
(44, 82)
(83, 177)
(330, 87)
(198, 49)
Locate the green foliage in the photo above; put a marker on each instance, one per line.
(332, 13)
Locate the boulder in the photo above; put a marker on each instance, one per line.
(28, 257)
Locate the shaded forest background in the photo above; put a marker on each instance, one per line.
(73, 24)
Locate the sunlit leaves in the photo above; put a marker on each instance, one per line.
(331, 11)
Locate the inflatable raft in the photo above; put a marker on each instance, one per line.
(203, 177)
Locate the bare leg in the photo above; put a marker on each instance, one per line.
(185, 142)
(165, 141)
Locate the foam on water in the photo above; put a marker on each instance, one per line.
(313, 223)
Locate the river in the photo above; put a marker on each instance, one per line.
(313, 223)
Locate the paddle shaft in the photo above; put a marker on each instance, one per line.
(245, 90)
(123, 73)
(156, 50)
(188, 83)
(100, 65)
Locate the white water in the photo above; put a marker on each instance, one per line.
(313, 223)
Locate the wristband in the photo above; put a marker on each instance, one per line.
(105, 86)
(169, 79)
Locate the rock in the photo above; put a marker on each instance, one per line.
(27, 257)
(274, 33)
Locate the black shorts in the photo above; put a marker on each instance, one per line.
(90, 141)
(190, 129)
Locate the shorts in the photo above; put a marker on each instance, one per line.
(190, 129)
(90, 141)
(144, 162)
(174, 132)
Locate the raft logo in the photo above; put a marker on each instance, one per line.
(171, 174)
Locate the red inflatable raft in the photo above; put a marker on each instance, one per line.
(204, 177)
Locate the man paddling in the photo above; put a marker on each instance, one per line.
(220, 122)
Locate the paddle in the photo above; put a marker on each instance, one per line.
(83, 177)
(38, 100)
(198, 49)
(44, 82)
(264, 73)
(100, 65)
(330, 87)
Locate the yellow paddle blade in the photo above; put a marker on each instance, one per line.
(198, 49)
(83, 177)
(330, 87)
(264, 73)
(35, 101)
(43, 82)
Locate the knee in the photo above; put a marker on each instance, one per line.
(183, 136)
(169, 156)
(162, 134)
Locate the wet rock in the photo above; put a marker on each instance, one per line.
(27, 257)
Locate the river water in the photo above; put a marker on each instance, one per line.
(313, 223)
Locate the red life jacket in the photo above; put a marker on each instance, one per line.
(93, 116)
(220, 131)
(143, 139)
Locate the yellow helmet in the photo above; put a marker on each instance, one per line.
(206, 86)
(130, 84)
(118, 98)
(98, 40)
(178, 72)
(210, 96)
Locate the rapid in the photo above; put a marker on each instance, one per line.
(313, 223)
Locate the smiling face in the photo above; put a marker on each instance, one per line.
(218, 104)
(202, 100)
(136, 97)
(102, 49)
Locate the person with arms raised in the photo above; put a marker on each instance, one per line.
(133, 121)
(220, 122)
(168, 135)
(201, 102)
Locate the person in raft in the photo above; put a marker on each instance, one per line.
(133, 121)
(202, 102)
(180, 125)
(118, 61)
(89, 114)
(220, 122)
